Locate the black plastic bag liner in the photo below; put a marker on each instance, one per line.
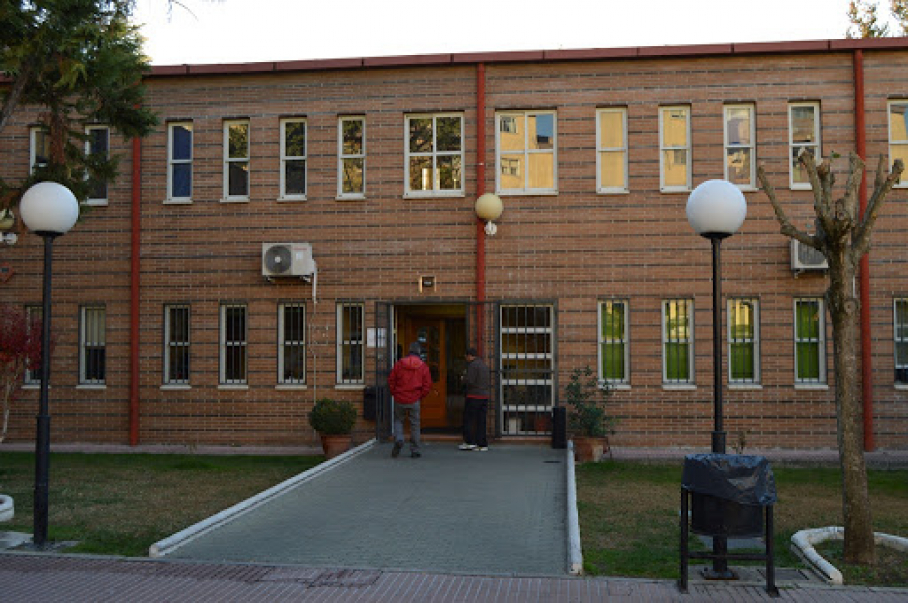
(740, 478)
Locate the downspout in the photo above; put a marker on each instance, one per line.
(866, 359)
(134, 292)
(480, 189)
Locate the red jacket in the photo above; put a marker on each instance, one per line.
(410, 380)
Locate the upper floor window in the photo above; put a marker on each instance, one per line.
(351, 158)
(92, 345)
(898, 134)
(434, 163)
(293, 159)
(39, 147)
(97, 145)
(526, 152)
(179, 161)
(611, 150)
(613, 341)
(900, 328)
(291, 351)
(233, 356)
(803, 134)
(743, 341)
(678, 341)
(810, 341)
(350, 343)
(176, 345)
(740, 141)
(236, 160)
(675, 152)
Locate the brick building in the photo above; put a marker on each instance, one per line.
(169, 330)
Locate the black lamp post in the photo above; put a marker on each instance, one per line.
(716, 210)
(49, 210)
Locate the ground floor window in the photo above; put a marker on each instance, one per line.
(233, 344)
(92, 345)
(613, 348)
(810, 341)
(291, 349)
(678, 341)
(350, 344)
(176, 345)
(33, 314)
(900, 324)
(527, 368)
(743, 341)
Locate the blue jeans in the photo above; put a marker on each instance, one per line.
(400, 413)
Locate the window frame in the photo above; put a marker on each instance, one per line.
(686, 187)
(85, 345)
(285, 159)
(520, 341)
(229, 161)
(820, 343)
(282, 343)
(601, 150)
(434, 154)
(33, 134)
(171, 162)
(818, 125)
(526, 152)
(751, 184)
(903, 182)
(342, 344)
(604, 341)
(343, 157)
(689, 341)
(224, 345)
(899, 340)
(753, 341)
(171, 344)
(97, 201)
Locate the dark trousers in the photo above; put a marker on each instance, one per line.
(475, 414)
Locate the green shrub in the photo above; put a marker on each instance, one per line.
(585, 401)
(332, 417)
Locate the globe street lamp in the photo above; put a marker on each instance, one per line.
(49, 210)
(716, 210)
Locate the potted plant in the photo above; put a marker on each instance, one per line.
(589, 423)
(333, 420)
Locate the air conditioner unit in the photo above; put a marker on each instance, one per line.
(287, 259)
(804, 257)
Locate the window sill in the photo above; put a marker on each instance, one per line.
(352, 387)
(95, 203)
(435, 195)
(235, 200)
(675, 191)
(620, 386)
(531, 193)
(238, 388)
(291, 386)
(291, 199)
(809, 386)
(177, 201)
(617, 191)
(745, 386)
(90, 386)
(176, 387)
(350, 198)
(901, 386)
(680, 387)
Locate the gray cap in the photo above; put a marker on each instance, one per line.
(415, 348)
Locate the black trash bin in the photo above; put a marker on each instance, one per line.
(559, 427)
(369, 403)
(730, 495)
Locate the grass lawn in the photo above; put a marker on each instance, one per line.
(121, 504)
(629, 516)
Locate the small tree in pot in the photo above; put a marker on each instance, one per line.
(588, 421)
(334, 421)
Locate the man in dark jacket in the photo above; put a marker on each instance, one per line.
(476, 407)
(410, 382)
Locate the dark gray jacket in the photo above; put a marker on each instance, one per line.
(477, 379)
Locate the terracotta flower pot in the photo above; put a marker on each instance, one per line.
(588, 449)
(334, 445)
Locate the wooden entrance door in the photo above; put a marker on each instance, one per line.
(430, 333)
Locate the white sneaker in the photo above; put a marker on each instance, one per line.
(467, 446)
(481, 448)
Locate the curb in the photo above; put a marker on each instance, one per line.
(575, 551)
(175, 541)
(804, 541)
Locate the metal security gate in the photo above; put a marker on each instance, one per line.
(384, 359)
(482, 331)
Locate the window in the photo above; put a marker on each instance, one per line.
(176, 345)
(527, 368)
(810, 341)
(525, 143)
(804, 133)
(351, 158)
(740, 137)
(674, 144)
(233, 344)
(179, 162)
(236, 161)
(678, 341)
(97, 146)
(611, 145)
(613, 348)
(291, 351)
(743, 341)
(293, 159)
(350, 343)
(40, 148)
(898, 134)
(92, 345)
(33, 316)
(434, 155)
(900, 326)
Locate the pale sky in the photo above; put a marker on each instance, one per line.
(239, 31)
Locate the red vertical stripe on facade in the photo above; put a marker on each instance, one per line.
(480, 189)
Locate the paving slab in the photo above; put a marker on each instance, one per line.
(496, 512)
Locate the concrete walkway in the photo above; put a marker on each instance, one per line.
(499, 512)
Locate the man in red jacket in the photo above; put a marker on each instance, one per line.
(410, 382)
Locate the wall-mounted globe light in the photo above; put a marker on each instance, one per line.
(489, 207)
